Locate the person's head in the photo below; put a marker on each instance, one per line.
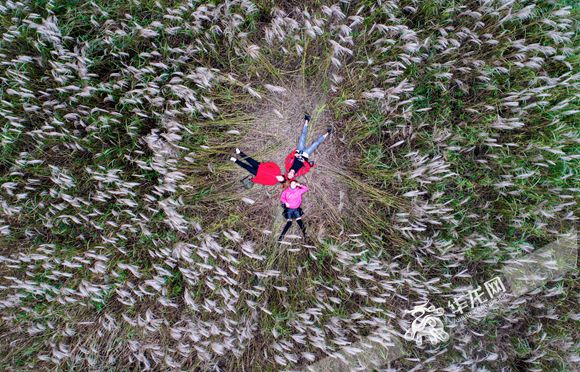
(291, 173)
(281, 179)
(293, 184)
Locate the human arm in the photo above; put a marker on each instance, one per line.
(283, 199)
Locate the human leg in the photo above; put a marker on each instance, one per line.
(302, 227)
(254, 163)
(286, 228)
(308, 151)
(302, 140)
(253, 170)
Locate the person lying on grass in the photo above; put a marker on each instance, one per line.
(268, 173)
(297, 163)
(291, 200)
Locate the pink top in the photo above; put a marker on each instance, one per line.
(293, 196)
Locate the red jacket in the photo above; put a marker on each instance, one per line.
(290, 159)
(267, 173)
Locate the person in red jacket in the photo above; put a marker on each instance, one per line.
(291, 200)
(264, 173)
(297, 163)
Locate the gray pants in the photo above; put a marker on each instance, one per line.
(307, 151)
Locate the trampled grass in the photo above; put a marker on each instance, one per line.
(128, 241)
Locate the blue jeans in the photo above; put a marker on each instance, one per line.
(302, 142)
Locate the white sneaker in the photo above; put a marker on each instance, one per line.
(237, 151)
(233, 159)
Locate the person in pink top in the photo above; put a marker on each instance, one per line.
(291, 200)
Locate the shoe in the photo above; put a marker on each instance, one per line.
(238, 151)
(307, 117)
(233, 159)
(329, 130)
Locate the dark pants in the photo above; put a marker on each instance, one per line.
(252, 165)
(290, 214)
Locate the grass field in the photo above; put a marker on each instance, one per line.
(127, 238)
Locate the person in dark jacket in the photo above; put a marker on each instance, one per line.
(267, 173)
(297, 163)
